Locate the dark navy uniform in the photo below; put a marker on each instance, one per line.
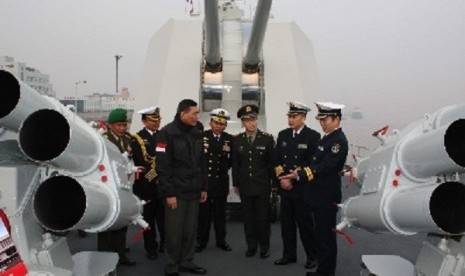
(294, 150)
(252, 174)
(146, 188)
(219, 161)
(323, 193)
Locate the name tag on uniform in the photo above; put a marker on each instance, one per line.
(261, 147)
(302, 146)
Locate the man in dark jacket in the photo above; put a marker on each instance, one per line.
(183, 183)
(146, 183)
(323, 191)
(295, 147)
(252, 179)
(115, 240)
(217, 147)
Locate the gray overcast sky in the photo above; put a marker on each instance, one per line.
(395, 59)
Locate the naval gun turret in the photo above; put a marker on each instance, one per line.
(174, 71)
(60, 171)
(414, 183)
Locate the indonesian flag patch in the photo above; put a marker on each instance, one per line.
(160, 147)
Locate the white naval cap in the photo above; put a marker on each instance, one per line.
(152, 113)
(220, 115)
(326, 109)
(296, 107)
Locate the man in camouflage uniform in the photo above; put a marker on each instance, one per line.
(115, 240)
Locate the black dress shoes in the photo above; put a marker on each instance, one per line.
(125, 260)
(250, 252)
(194, 270)
(199, 248)
(264, 254)
(311, 264)
(172, 274)
(152, 255)
(224, 246)
(284, 261)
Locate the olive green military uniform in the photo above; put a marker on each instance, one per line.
(253, 174)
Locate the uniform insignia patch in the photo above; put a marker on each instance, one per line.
(226, 147)
(302, 146)
(321, 148)
(283, 144)
(161, 147)
(335, 148)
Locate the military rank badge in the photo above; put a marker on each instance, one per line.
(206, 145)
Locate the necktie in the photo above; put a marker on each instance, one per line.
(217, 138)
(249, 140)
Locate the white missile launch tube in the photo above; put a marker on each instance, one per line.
(18, 101)
(62, 204)
(47, 136)
(437, 152)
(438, 208)
(429, 209)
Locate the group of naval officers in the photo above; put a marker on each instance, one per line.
(184, 177)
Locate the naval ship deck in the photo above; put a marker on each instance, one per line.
(235, 263)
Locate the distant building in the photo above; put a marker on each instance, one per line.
(101, 102)
(29, 75)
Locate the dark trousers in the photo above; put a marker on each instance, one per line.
(293, 216)
(323, 224)
(113, 241)
(180, 234)
(154, 212)
(256, 221)
(213, 209)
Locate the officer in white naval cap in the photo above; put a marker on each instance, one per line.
(146, 183)
(217, 147)
(294, 148)
(323, 189)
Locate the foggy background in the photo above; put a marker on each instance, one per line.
(395, 60)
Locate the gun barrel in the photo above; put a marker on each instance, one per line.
(18, 101)
(47, 136)
(436, 152)
(212, 37)
(254, 48)
(61, 204)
